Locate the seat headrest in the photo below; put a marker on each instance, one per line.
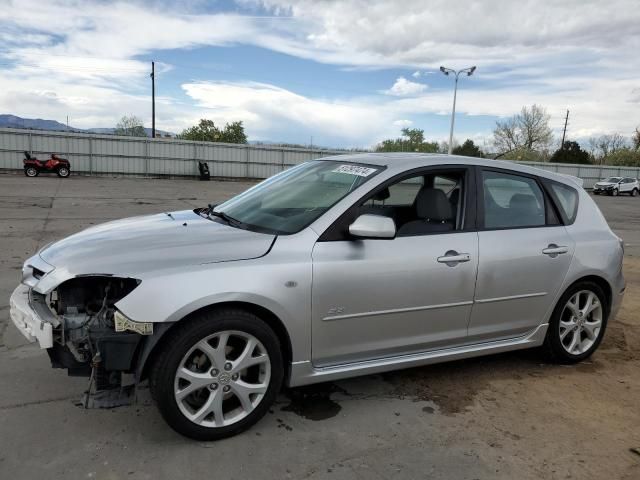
(433, 204)
(381, 195)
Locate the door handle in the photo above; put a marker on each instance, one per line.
(554, 250)
(452, 258)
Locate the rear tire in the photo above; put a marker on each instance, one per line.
(634, 192)
(63, 172)
(577, 326)
(207, 393)
(31, 172)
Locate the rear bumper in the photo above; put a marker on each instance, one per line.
(26, 319)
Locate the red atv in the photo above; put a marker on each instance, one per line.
(55, 164)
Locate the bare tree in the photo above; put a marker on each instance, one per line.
(130, 126)
(604, 145)
(636, 139)
(528, 130)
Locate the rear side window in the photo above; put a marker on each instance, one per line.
(567, 198)
(512, 201)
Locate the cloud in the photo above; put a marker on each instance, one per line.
(404, 88)
(265, 109)
(404, 123)
(86, 58)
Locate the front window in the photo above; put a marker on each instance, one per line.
(293, 199)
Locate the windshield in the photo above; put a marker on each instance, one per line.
(612, 179)
(293, 199)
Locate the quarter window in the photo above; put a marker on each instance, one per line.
(512, 201)
(568, 200)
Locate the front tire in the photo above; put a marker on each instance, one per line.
(577, 324)
(31, 172)
(63, 172)
(615, 192)
(634, 192)
(218, 374)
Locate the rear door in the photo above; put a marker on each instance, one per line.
(525, 253)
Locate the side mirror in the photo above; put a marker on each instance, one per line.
(373, 226)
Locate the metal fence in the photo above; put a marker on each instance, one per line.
(590, 174)
(114, 155)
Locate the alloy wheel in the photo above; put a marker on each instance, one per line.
(31, 172)
(222, 378)
(63, 172)
(581, 322)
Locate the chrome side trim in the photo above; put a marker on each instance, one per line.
(395, 310)
(512, 297)
(304, 373)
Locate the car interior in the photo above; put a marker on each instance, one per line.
(420, 205)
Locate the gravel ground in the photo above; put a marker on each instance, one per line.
(505, 416)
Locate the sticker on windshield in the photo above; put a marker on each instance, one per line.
(354, 170)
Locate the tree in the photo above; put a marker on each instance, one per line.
(206, 131)
(468, 149)
(625, 157)
(636, 139)
(528, 130)
(604, 145)
(570, 153)
(412, 141)
(130, 126)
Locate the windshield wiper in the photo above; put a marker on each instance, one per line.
(230, 220)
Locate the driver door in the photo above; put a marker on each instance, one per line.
(376, 298)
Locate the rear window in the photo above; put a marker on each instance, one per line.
(567, 199)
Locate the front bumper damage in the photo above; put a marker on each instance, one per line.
(101, 350)
(28, 321)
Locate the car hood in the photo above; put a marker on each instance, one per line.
(605, 184)
(136, 245)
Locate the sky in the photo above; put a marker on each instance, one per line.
(346, 73)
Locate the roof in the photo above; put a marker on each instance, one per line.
(400, 161)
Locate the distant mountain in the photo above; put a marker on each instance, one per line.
(13, 121)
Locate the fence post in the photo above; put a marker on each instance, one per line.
(246, 172)
(146, 160)
(90, 155)
(195, 156)
(282, 163)
(30, 144)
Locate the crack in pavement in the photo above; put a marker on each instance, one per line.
(38, 402)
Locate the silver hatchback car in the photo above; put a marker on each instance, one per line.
(343, 266)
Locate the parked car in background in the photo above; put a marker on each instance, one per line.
(617, 185)
(343, 266)
(54, 164)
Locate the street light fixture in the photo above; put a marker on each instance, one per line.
(469, 71)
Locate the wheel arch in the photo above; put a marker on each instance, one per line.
(154, 344)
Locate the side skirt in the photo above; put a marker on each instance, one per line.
(304, 373)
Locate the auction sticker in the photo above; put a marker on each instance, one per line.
(354, 170)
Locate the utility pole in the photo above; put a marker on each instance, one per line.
(564, 131)
(153, 99)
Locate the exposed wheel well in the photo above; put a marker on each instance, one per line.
(266, 315)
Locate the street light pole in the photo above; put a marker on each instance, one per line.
(469, 71)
